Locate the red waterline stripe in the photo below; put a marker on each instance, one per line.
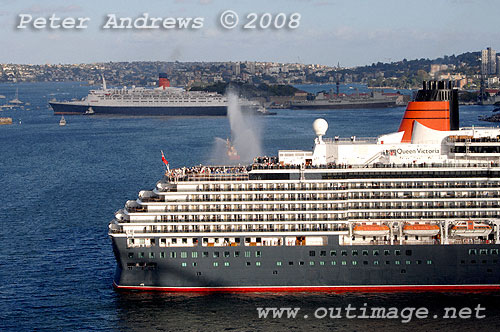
(394, 288)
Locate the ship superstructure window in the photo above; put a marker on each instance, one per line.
(173, 254)
(333, 253)
(205, 254)
(472, 252)
(312, 253)
(130, 255)
(194, 254)
(216, 254)
(258, 254)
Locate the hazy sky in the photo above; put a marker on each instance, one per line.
(352, 32)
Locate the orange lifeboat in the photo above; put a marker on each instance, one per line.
(371, 230)
(470, 229)
(421, 229)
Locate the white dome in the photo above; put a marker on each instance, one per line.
(320, 126)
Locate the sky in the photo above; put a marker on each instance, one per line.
(349, 32)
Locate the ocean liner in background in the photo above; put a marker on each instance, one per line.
(162, 101)
(412, 210)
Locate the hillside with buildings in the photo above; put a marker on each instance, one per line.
(465, 71)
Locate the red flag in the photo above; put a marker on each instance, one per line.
(163, 158)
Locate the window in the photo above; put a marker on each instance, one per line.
(290, 263)
(333, 253)
(278, 263)
(429, 262)
(494, 251)
(258, 254)
(247, 254)
(130, 255)
(194, 264)
(173, 254)
(387, 262)
(275, 272)
(162, 254)
(151, 255)
(183, 264)
(184, 254)
(205, 254)
(248, 264)
(236, 254)
(227, 254)
(403, 271)
(334, 263)
(375, 262)
(354, 263)
(408, 262)
(226, 263)
(194, 254)
(365, 253)
(141, 255)
(483, 251)
(375, 252)
(408, 252)
(343, 252)
(311, 263)
(387, 252)
(365, 262)
(397, 262)
(472, 252)
(322, 253)
(216, 264)
(354, 252)
(344, 263)
(322, 263)
(257, 263)
(397, 252)
(420, 262)
(198, 274)
(312, 253)
(216, 254)
(301, 263)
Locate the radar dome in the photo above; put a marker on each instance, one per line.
(320, 127)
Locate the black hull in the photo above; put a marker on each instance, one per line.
(69, 109)
(293, 268)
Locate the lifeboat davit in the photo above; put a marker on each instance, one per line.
(371, 230)
(471, 229)
(421, 229)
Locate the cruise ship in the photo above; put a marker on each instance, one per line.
(417, 209)
(162, 101)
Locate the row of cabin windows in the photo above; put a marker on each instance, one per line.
(483, 251)
(322, 263)
(312, 253)
(194, 254)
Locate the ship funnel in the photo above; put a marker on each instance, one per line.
(435, 106)
(163, 81)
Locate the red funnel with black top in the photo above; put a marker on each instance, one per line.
(435, 106)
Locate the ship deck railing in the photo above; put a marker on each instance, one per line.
(239, 173)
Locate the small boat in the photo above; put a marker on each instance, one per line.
(62, 122)
(371, 230)
(89, 111)
(231, 152)
(471, 228)
(16, 100)
(421, 229)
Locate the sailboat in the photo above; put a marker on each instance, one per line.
(62, 122)
(16, 100)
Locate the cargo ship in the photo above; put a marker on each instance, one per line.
(161, 101)
(417, 209)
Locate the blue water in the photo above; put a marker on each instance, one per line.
(61, 185)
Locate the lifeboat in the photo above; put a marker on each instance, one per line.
(371, 230)
(421, 229)
(470, 229)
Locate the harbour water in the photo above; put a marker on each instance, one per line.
(61, 186)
